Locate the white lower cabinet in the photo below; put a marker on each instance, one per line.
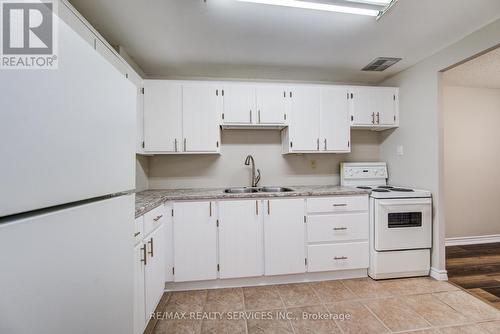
(243, 238)
(150, 256)
(284, 236)
(341, 256)
(337, 233)
(195, 241)
(155, 268)
(240, 239)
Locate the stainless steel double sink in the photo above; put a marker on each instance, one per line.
(246, 190)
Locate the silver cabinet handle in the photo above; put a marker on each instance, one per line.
(175, 144)
(326, 145)
(339, 205)
(268, 207)
(373, 118)
(340, 228)
(145, 255)
(257, 208)
(185, 144)
(340, 258)
(210, 209)
(317, 144)
(150, 242)
(136, 234)
(157, 218)
(378, 118)
(250, 116)
(259, 115)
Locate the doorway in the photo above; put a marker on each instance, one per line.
(471, 127)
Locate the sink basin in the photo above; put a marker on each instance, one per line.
(275, 189)
(249, 190)
(240, 190)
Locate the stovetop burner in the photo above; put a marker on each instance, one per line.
(368, 188)
(385, 187)
(406, 190)
(380, 190)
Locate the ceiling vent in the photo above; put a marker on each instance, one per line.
(380, 64)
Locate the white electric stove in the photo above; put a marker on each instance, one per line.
(400, 222)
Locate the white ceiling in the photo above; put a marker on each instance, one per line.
(480, 72)
(230, 39)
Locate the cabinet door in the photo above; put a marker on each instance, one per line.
(284, 236)
(271, 102)
(239, 104)
(385, 100)
(240, 239)
(162, 116)
(139, 294)
(195, 241)
(304, 122)
(334, 121)
(155, 268)
(362, 108)
(201, 105)
(373, 106)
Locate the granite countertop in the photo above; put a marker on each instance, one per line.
(149, 199)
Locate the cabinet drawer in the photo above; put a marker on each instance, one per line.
(154, 218)
(338, 257)
(341, 227)
(138, 229)
(337, 204)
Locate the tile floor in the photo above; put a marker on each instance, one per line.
(416, 305)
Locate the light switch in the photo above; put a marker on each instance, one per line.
(400, 150)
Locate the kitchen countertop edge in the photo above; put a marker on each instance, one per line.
(148, 200)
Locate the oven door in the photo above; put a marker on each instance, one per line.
(403, 224)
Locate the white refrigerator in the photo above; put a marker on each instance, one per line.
(67, 161)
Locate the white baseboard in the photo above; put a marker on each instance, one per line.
(439, 275)
(482, 239)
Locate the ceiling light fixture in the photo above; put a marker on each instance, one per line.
(326, 7)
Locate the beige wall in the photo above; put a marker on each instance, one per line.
(420, 130)
(471, 161)
(228, 169)
(141, 172)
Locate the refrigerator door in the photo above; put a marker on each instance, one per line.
(66, 134)
(69, 271)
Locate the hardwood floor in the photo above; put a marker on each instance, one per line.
(476, 268)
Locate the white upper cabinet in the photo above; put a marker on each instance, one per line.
(305, 119)
(201, 105)
(239, 104)
(162, 116)
(335, 128)
(195, 241)
(240, 239)
(319, 121)
(284, 241)
(271, 103)
(374, 107)
(181, 118)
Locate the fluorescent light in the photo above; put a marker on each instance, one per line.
(373, 2)
(317, 6)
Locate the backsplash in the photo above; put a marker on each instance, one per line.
(228, 169)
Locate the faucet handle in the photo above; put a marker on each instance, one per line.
(257, 178)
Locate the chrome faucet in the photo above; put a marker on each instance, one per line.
(255, 178)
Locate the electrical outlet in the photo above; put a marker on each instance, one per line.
(313, 164)
(400, 150)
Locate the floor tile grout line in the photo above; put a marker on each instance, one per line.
(376, 317)
(286, 310)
